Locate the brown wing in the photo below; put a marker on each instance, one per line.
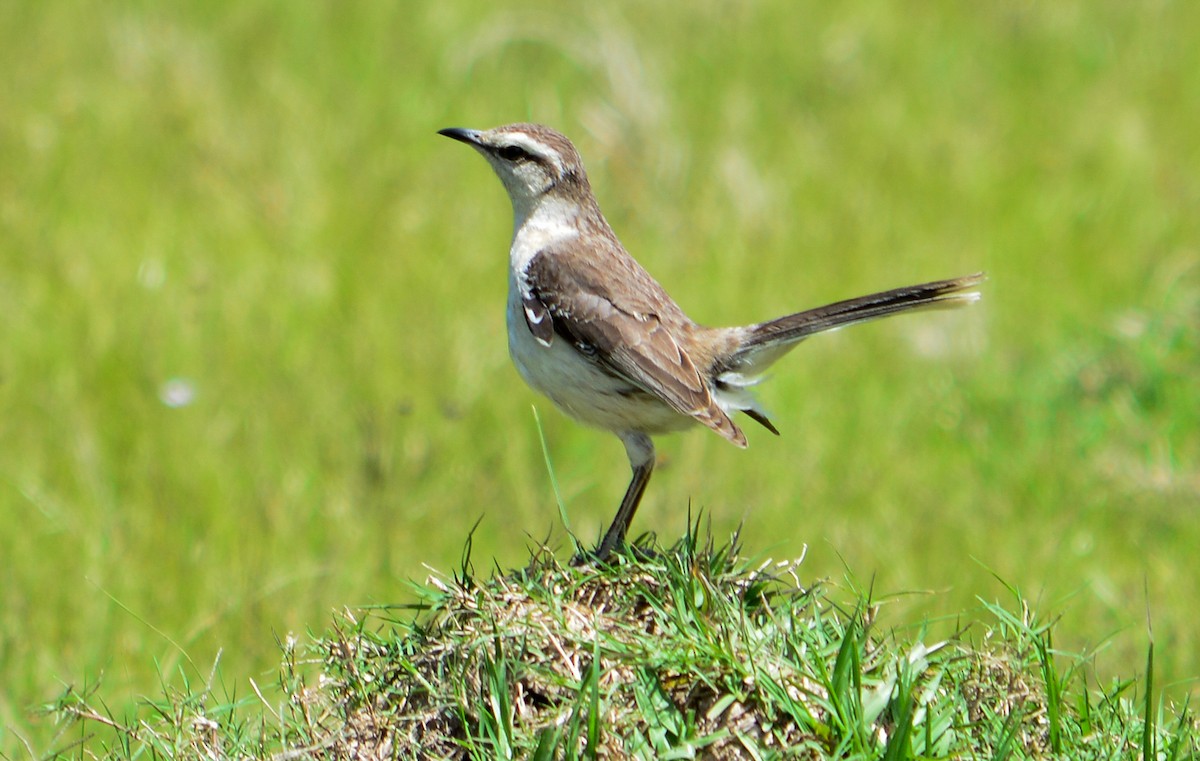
(622, 319)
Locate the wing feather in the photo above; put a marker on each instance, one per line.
(622, 319)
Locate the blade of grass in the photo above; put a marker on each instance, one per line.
(1149, 713)
(593, 729)
(558, 499)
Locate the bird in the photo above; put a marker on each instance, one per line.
(590, 329)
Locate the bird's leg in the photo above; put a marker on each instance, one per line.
(640, 449)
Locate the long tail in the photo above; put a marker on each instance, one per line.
(767, 341)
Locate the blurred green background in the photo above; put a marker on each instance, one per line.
(252, 355)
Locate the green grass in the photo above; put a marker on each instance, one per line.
(688, 652)
(251, 197)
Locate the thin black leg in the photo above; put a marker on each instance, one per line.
(640, 449)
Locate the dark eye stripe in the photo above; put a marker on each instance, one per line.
(513, 153)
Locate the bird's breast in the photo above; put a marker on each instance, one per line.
(579, 385)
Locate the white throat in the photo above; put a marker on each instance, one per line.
(539, 223)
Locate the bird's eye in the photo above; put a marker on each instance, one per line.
(513, 153)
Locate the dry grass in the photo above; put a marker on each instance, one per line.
(686, 652)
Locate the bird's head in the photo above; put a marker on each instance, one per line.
(531, 160)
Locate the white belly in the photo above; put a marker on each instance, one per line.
(581, 389)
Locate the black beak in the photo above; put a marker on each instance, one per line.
(468, 136)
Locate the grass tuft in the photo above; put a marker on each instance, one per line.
(687, 651)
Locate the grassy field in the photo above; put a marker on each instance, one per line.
(672, 652)
(252, 364)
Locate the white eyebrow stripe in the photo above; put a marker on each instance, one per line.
(536, 148)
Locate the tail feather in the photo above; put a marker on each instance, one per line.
(767, 341)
